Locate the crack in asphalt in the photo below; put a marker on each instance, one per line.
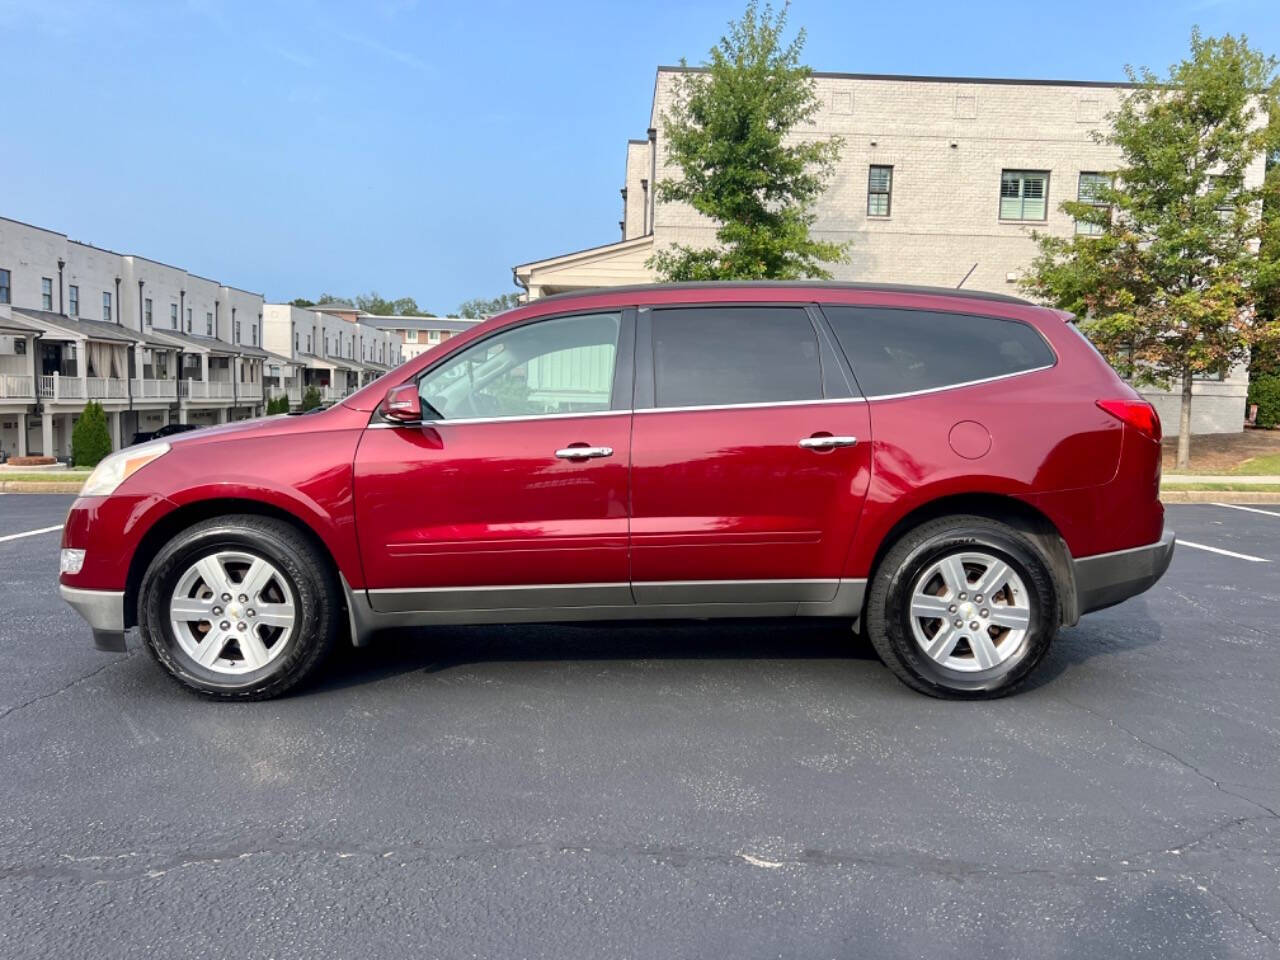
(139, 865)
(1217, 784)
(67, 686)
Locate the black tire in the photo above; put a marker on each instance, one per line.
(888, 619)
(311, 580)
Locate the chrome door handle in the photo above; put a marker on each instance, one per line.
(827, 443)
(584, 453)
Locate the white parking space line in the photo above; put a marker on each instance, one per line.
(1225, 553)
(1236, 506)
(29, 533)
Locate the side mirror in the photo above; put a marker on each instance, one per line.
(402, 404)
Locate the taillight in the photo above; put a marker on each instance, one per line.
(1138, 414)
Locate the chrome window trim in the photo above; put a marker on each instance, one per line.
(957, 386)
(822, 401)
(511, 419)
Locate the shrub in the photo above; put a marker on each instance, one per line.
(90, 439)
(1265, 392)
(311, 398)
(278, 404)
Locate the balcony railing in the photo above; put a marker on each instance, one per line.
(155, 389)
(205, 390)
(54, 386)
(16, 387)
(57, 387)
(107, 388)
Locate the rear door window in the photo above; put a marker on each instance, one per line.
(717, 356)
(896, 351)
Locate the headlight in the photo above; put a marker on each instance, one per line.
(119, 467)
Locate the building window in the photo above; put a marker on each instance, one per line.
(106, 307)
(73, 296)
(173, 316)
(188, 319)
(46, 293)
(237, 340)
(1090, 192)
(411, 336)
(308, 343)
(433, 336)
(879, 191)
(1024, 194)
(208, 324)
(146, 311)
(4, 286)
(253, 334)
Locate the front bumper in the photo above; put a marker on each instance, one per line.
(104, 610)
(1108, 578)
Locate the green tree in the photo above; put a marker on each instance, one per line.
(311, 398)
(483, 307)
(278, 404)
(729, 131)
(90, 439)
(301, 302)
(1170, 288)
(404, 307)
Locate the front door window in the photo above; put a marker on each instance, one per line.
(560, 366)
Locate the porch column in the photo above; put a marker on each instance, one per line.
(46, 434)
(204, 367)
(113, 418)
(182, 413)
(22, 434)
(82, 364)
(165, 417)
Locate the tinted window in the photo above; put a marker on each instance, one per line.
(722, 355)
(899, 351)
(552, 366)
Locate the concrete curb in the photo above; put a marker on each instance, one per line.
(32, 486)
(1218, 496)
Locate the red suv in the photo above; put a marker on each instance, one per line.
(958, 474)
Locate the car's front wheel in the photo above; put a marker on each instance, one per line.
(962, 607)
(239, 607)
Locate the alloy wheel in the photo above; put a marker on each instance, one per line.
(970, 612)
(232, 612)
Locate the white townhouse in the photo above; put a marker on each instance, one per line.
(151, 342)
(309, 347)
(941, 181)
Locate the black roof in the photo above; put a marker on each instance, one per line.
(797, 285)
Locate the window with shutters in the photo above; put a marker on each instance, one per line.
(1090, 191)
(1024, 194)
(879, 191)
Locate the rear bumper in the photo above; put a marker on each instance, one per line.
(1106, 579)
(104, 611)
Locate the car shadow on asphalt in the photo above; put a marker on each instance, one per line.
(437, 649)
(431, 650)
(1107, 633)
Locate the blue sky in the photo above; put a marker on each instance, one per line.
(422, 148)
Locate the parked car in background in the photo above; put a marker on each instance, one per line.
(168, 430)
(956, 474)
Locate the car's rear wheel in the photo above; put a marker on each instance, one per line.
(962, 607)
(239, 607)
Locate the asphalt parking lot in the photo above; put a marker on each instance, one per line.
(736, 790)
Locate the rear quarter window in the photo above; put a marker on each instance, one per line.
(894, 351)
